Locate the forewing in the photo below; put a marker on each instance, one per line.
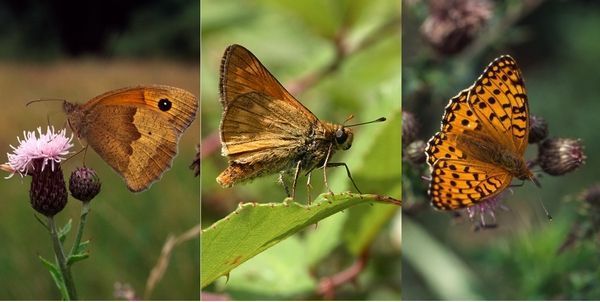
(242, 73)
(499, 100)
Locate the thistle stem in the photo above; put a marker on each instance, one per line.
(85, 209)
(62, 260)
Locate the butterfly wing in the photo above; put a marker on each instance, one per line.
(494, 108)
(136, 129)
(262, 122)
(499, 100)
(242, 72)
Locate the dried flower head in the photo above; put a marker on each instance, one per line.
(415, 152)
(453, 24)
(48, 192)
(84, 184)
(558, 156)
(410, 128)
(538, 129)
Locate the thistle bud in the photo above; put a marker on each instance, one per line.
(410, 128)
(48, 191)
(538, 129)
(558, 156)
(453, 24)
(84, 184)
(415, 152)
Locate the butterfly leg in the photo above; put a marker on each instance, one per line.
(282, 181)
(347, 172)
(296, 174)
(325, 164)
(308, 187)
(84, 149)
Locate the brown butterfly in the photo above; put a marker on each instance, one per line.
(265, 130)
(135, 129)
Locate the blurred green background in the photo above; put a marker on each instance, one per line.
(556, 45)
(295, 41)
(77, 50)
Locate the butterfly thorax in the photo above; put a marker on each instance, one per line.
(482, 148)
(325, 139)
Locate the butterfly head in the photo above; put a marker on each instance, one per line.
(343, 138)
(74, 117)
(344, 135)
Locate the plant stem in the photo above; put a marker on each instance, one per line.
(85, 209)
(62, 260)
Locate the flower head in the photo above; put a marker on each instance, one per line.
(415, 152)
(477, 213)
(50, 148)
(48, 191)
(84, 184)
(558, 156)
(410, 128)
(538, 129)
(453, 24)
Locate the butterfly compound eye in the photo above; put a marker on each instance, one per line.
(164, 104)
(340, 136)
(343, 138)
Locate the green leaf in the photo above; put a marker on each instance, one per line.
(77, 257)
(82, 247)
(277, 274)
(62, 232)
(254, 227)
(56, 276)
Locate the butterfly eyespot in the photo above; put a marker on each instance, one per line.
(164, 104)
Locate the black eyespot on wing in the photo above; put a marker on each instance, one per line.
(164, 104)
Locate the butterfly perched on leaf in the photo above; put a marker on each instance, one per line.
(265, 130)
(482, 141)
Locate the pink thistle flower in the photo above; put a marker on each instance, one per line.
(477, 213)
(50, 148)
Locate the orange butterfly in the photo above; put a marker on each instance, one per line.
(483, 138)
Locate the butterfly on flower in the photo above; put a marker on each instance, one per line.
(482, 141)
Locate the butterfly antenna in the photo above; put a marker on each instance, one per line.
(537, 183)
(44, 100)
(381, 119)
(348, 119)
(545, 210)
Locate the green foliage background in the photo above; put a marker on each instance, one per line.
(294, 39)
(556, 47)
(127, 231)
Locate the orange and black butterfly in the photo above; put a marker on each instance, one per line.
(482, 141)
(265, 130)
